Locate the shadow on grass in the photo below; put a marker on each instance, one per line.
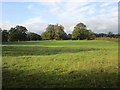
(25, 51)
(72, 79)
(22, 43)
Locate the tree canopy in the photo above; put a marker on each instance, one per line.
(4, 36)
(54, 32)
(81, 32)
(33, 36)
(17, 33)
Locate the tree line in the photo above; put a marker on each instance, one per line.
(53, 32)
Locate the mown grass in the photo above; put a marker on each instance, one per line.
(60, 64)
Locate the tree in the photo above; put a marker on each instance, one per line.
(117, 35)
(59, 32)
(51, 32)
(4, 35)
(89, 35)
(54, 32)
(33, 36)
(102, 35)
(0, 36)
(110, 34)
(12, 35)
(0, 30)
(17, 33)
(69, 36)
(81, 32)
(45, 36)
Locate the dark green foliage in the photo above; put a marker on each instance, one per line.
(80, 32)
(50, 32)
(33, 36)
(45, 36)
(17, 33)
(89, 35)
(109, 35)
(69, 36)
(4, 36)
(0, 36)
(101, 35)
(116, 35)
(59, 32)
(53, 32)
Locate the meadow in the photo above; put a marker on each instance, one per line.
(60, 64)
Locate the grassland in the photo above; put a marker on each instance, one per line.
(108, 39)
(60, 64)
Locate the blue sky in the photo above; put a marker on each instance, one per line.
(98, 16)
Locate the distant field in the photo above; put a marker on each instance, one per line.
(108, 39)
(61, 64)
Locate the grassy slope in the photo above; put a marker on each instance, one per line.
(51, 64)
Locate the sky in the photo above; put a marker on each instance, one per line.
(100, 17)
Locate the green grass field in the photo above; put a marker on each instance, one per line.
(60, 64)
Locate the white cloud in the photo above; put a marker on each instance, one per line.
(91, 10)
(68, 26)
(34, 20)
(106, 4)
(97, 26)
(77, 11)
(60, 0)
(36, 24)
(104, 22)
(39, 28)
(6, 25)
(54, 10)
(30, 6)
(53, 7)
(101, 23)
(73, 9)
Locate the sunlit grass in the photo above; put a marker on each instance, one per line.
(72, 64)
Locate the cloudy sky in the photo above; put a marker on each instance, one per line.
(100, 17)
